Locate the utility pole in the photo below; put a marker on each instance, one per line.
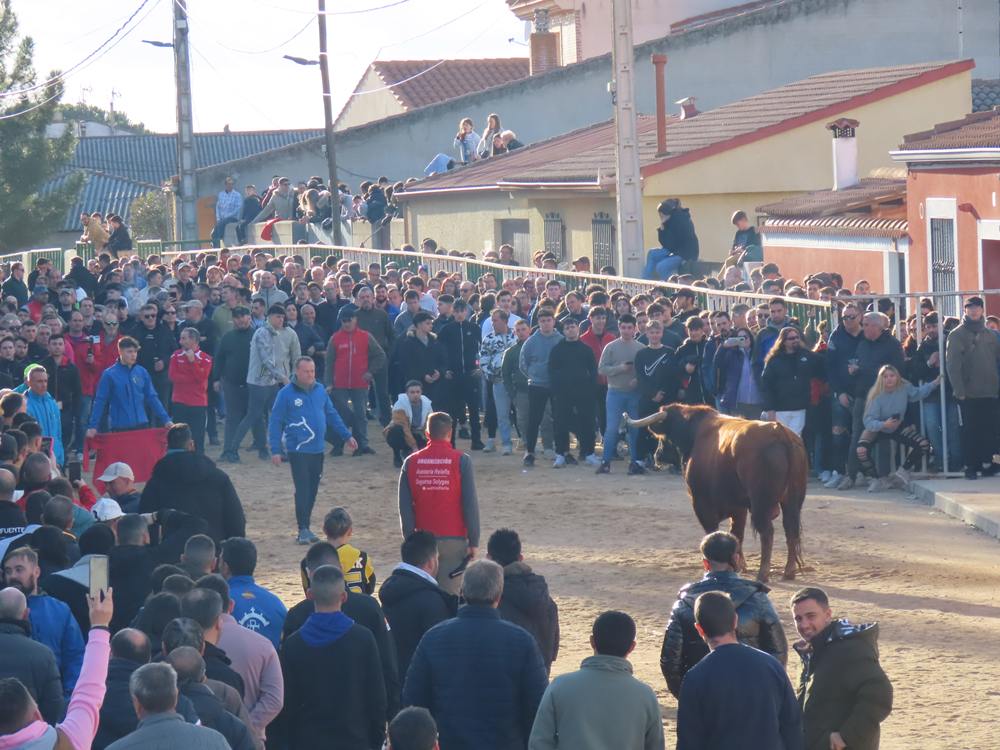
(628, 195)
(185, 208)
(331, 155)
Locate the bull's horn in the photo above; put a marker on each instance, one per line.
(644, 422)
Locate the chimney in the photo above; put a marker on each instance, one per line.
(660, 63)
(845, 152)
(688, 110)
(543, 45)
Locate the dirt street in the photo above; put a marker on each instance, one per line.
(629, 542)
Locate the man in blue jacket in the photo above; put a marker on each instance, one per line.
(497, 709)
(125, 391)
(52, 623)
(300, 417)
(44, 409)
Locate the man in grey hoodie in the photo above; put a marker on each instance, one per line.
(534, 363)
(273, 352)
(602, 704)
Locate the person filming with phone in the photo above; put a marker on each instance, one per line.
(437, 493)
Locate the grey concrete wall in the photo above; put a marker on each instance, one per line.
(717, 65)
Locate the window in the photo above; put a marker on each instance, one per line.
(555, 235)
(602, 228)
(517, 234)
(943, 277)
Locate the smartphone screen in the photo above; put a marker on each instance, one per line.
(47, 446)
(75, 471)
(98, 574)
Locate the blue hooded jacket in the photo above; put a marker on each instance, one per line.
(53, 625)
(300, 418)
(325, 627)
(125, 392)
(46, 412)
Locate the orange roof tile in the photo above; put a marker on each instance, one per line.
(418, 83)
(868, 192)
(978, 130)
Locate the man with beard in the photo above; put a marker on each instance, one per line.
(52, 623)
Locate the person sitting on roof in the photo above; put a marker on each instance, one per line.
(509, 139)
(678, 241)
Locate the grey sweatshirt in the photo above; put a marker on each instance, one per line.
(272, 355)
(886, 404)
(612, 364)
(534, 360)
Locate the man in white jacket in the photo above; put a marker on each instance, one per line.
(405, 433)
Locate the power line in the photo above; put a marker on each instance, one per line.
(64, 74)
(432, 30)
(270, 49)
(358, 11)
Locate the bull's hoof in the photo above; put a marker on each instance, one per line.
(788, 575)
(763, 577)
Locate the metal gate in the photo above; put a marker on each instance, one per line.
(555, 235)
(602, 228)
(943, 279)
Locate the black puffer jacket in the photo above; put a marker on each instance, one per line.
(34, 665)
(759, 625)
(526, 602)
(785, 383)
(192, 483)
(678, 236)
(871, 355)
(413, 605)
(842, 687)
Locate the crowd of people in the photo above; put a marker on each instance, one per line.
(298, 352)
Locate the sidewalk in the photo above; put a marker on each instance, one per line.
(976, 503)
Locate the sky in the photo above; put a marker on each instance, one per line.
(238, 75)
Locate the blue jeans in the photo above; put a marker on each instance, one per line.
(932, 428)
(502, 400)
(660, 264)
(619, 402)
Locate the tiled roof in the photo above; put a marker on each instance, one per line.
(869, 191)
(842, 226)
(153, 158)
(446, 80)
(585, 154)
(724, 14)
(978, 130)
(985, 94)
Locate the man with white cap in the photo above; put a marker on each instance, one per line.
(119, 485)
(108, 512)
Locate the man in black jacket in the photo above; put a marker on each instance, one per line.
(190, 668)
(331, 655)
(461, 339)
(759, 624)
(573, 376)
(526, 601)
(690, 356)
(186, 631)
(14, 286)
(361, 608)
(156, 344)
(130, 565)
(421, 357)
(656, 371)
(229, 375)
(191, 482)
(130, 649)
(30, 662)
(411, 598)
(64, 385)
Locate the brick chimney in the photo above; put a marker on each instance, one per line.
(688, 109)
(845, 152)
(660, 64)
(543, 45)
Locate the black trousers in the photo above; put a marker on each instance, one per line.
(194, 417)
(307, 470)
(573, 412)
(538, 397)
(394, 437)
(464, 394)
(236, 396)
(979, 431)
(601, 405)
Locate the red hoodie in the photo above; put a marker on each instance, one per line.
(597, 344)
(105, 355)
(190, 378)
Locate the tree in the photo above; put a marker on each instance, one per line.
(150, 217)
(89, 113)
(28, 160)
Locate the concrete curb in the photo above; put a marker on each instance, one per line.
(976, 508)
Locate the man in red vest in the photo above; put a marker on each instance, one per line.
(352, 357)
(437, 493)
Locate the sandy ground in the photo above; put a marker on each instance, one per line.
(630, 542)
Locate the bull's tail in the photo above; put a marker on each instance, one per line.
(795, 495)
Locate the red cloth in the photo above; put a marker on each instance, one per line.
(86, 497)
(140, 449)
(435, 476)
(268, 231)
(190, 379)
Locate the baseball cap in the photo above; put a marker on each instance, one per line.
(107, 509)
(240, 311)
(581, 261)
(117, 470)
(685, 293)
(974, 302)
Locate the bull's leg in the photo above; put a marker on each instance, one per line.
(794, 555)
(737, 527)
(766, 545)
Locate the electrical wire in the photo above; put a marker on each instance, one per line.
(432, 30)
(64, 74)
(244, 99)
(276, 47)
(355, 12)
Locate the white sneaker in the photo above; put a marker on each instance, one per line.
(507, 450)
(833, 481)
(549, 453)
(592, 460)
(877, 485)
(901, 479)
(560, 461)
(491, 445)
(824, 476)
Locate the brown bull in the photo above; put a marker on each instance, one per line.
(734, 466)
